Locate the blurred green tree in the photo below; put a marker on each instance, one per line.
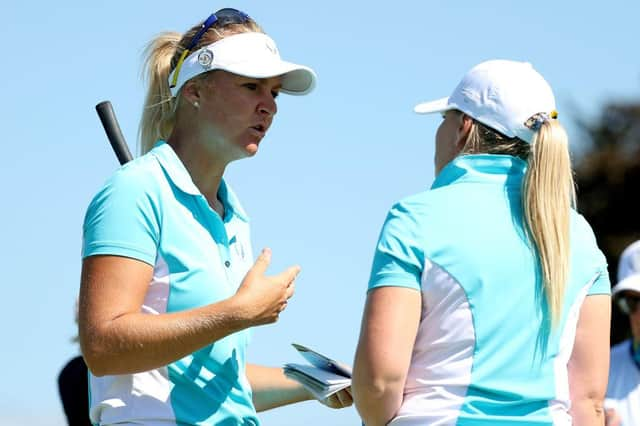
(608, 186)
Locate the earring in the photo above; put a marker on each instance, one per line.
(196, 104)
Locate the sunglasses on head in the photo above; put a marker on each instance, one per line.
(628, 303)
(220, 18)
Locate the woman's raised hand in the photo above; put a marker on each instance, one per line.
(261, 298)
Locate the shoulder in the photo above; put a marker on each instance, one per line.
(139, 174)
(581, 229)
(404, 222)
(430, 212)
(134, 189)
(584, 243)
(133, 180)
(416, 204)
(409, 213)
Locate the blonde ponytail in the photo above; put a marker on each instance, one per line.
(549, 194)
(159, 108)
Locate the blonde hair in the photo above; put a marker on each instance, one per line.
(548, 196)
(161, 56)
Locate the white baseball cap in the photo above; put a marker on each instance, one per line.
(249, 54)
(629, 270)
(500, 94)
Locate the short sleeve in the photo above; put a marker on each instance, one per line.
(601, 285)
(123, 220)
(399, 257)
(592, 257)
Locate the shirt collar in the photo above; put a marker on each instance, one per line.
(231, 201)
(488, 168)
(179, 175)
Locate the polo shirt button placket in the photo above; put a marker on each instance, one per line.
(227, 263)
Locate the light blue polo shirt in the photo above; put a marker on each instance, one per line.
(484, 353)
(151, 210)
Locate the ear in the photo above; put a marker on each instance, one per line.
(464, 127)
(191, 92)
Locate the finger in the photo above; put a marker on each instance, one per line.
(332, 401)
(345, 399)
(288, 275)
(348, 390)
(262, 263)
(290, 290)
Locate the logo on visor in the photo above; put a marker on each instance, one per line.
(272, 47)
(205, 58)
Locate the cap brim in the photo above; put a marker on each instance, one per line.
(631, 283)
(439, 105)
(296, 79)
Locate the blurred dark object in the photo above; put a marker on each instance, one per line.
(608, 181)
(74, 392)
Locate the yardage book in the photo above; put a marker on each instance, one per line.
(323, 377)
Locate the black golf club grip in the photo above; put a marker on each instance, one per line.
(112, 128)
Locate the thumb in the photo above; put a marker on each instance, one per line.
(262, 262)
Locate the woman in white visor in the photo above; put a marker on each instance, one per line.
(489, 300)
(169, 288)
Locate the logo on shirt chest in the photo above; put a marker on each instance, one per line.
(239, 249)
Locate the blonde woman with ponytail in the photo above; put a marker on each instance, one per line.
(489, 300)
(169, 289)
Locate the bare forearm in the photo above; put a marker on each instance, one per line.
(139, 342)
(117, 339)
(588, 412)
(588, 365)
(389, 327)
(376, 403)
(271, 388)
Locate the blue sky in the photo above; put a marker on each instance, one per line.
(318, 190)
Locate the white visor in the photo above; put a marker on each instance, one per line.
(439, 105)
(628, 270)
(631, 283)
(253, 55)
